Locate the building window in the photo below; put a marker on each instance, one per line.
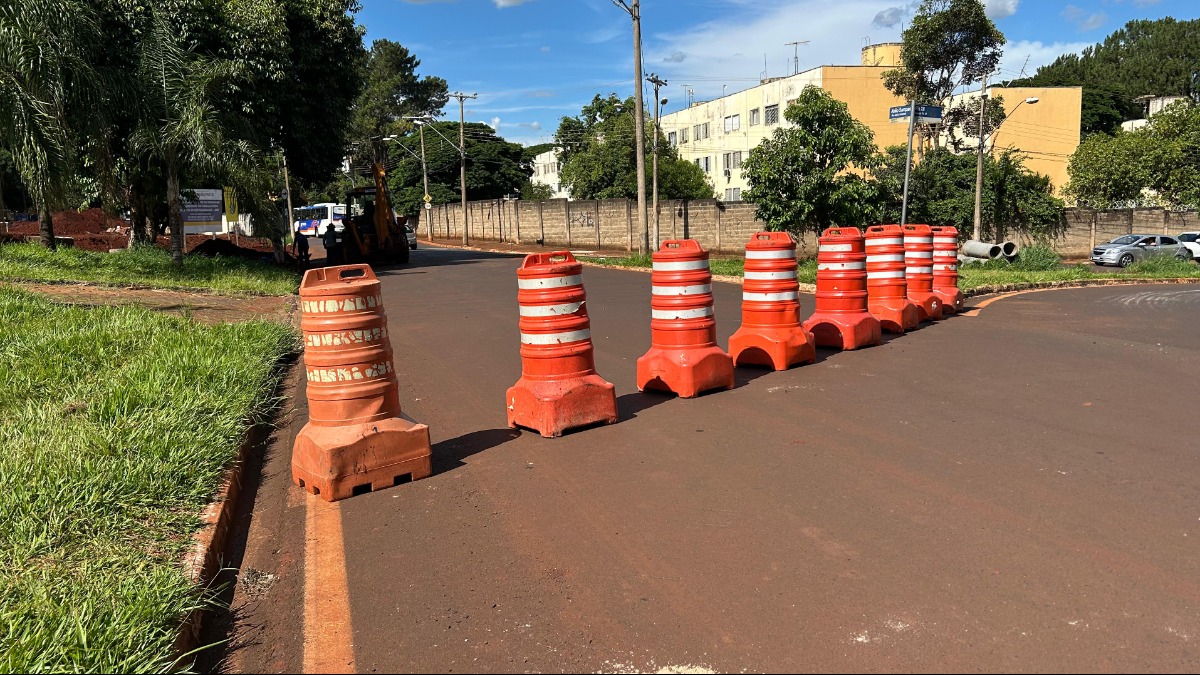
(700, 131)
(771, 114)
(733, 194)
(683, 134)
(754, 117)
(671, 138)
(737, 160)
(704, 164)
(733, 123)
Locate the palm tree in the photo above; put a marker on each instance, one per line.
(43, 68)
(180, 127)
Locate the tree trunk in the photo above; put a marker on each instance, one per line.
(175, 214)
(137, 216)
(46, 221)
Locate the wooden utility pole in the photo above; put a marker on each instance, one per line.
(979, 163)
(462, 163)
(633, 8)
(654, 79)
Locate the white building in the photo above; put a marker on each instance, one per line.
(1154, 105)
(546, 168)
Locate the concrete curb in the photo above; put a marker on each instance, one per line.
(1073, 283)
(204, 561)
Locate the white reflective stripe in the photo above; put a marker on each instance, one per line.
(837, 247)
(897, 257)
(680, 266)
(555, 338)
(551, 282)
(698, 289)
(842, 266)
(919, 240)
(897, 274)
(919, 254)
(886, 241)
(946, 267)
(770, 297)
(551, 310)
(770, 255)
(918, 270)
(946, 240)
(681, 313)
(765, 276)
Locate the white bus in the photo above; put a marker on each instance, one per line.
(312, 220)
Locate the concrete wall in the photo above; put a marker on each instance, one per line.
(724, 227)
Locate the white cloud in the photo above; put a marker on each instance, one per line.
(1037, 53)
(509, 3)
(999, 9)
(890, 17)
(1082, 20)
(495, 123)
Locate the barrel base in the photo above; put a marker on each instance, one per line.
(895, 315)
(685, 371)
(552, 407)
(929, 305)
(951, 300)
(844, 331)
(778, 347)
(334, 463)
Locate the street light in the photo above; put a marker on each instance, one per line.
(976, 234)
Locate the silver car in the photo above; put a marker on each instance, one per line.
(1124, 250)
(411, 236)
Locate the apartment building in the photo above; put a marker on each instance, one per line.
(546, 169)
(717, 135)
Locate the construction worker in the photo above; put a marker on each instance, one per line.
(333, 246)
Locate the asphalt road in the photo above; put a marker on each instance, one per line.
(1015, 490)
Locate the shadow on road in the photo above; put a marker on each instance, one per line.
(629, 405)
(449, 454)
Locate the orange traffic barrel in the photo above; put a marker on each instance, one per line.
(887, 293)
(841, 319)
(559, 388)
(771, 334)
(684, 357)
(355, 440)
(918, 271)
(945, 268)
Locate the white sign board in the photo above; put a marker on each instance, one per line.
(203, 214)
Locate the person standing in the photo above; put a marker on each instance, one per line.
(300, 250)
(333, 246)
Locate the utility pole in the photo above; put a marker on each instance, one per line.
(654, 80)
(425, 175)
(979, 162)
(462, 158)
(912, 120)
(633, 8)
(795, 54)
(287, 187)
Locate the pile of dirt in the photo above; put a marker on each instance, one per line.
(70, 223)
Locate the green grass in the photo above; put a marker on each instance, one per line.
(144, 266)
(1034, 266)
(115, 427)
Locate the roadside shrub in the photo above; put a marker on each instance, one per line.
(1162, 265)
(1037, 258)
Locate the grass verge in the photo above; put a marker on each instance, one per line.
(970, 277)
(144, 266)
(116, 425)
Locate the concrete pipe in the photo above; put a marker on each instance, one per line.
(981, 249)
(1009, 250)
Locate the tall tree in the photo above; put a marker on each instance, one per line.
(43, 68)
(597, 150)
(802, 178)
(1109, 171)
(949, 44)
(392, 91)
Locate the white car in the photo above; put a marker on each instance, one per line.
(1191, 241)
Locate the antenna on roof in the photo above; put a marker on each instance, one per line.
(796, 56)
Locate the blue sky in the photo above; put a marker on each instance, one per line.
(534, 61)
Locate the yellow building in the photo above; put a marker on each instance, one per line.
(717, 135)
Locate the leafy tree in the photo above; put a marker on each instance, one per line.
(1109, 171)
(942, 192)
(536, 192)
(1145, 57)
(495, 167)
(1173, 152)
(535, 150)
(961, 122)
(801, 177)
(949, 44)
(598, 156)
(43, 68)
(392, 92)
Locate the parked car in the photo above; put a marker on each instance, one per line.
(1191, 241)
(411, 234)
(1129, 248)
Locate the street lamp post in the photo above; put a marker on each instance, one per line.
(976, 233)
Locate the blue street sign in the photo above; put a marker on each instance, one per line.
(926, 114)
(898, 112)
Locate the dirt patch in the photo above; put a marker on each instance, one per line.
(203, 308)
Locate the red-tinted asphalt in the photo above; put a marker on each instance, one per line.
(1011, 491)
